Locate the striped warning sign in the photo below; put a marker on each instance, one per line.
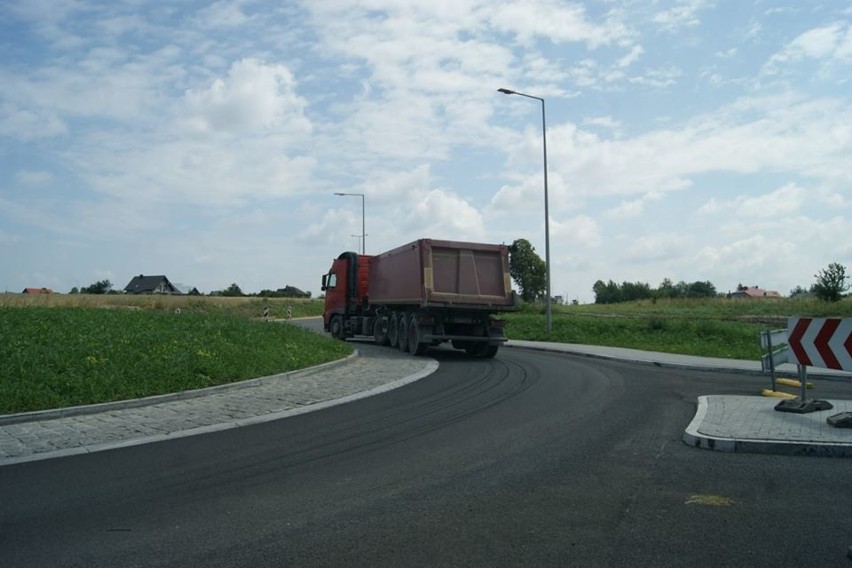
(821, 342)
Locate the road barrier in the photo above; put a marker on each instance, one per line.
(808, 342)
(774, 342)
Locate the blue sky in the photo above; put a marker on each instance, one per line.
(687, 139)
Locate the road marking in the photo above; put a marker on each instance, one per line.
(709, 500)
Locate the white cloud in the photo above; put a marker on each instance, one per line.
(224, 13)
(828, 43)
(667, 246)
(253, 96)
(26, 124)
(786, 134)
(684, 14)
(558, 22)
(627, 209)
(581, 230)
(441, 214)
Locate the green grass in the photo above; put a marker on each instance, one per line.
(706, 338)
(709, 328)
(244, 307)
(57, 357)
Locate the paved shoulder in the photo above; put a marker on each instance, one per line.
(54, 434)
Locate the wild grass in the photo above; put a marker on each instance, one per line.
(63, 356)
(702, 337)
(716, 327)
(248, 307)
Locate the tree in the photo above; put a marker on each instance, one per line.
(527, 269)
(798, 291)
(609, 293)
(232, 290)
(633, 291)
(100, 287)
(831, 283)
(701, 290)
(666, 289)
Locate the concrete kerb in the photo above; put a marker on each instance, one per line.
(751, 368)
(19, 417)
(692, 436)
(431, 367)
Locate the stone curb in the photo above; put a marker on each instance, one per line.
(813, 373)
(431, 367)
(692, 436)
(82, 410)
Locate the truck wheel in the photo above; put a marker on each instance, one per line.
(403, 332)
(489, 352)
(380, 330)
(482, 350)
(335, 327)
(393, 329)
(415, 346)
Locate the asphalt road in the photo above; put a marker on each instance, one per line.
(530, 459)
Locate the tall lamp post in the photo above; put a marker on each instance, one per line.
(363, 225)
(546, 206)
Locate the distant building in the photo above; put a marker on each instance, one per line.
(292, 292)
(750, 292)
(151, 285)
(37, 291)
(186, 289)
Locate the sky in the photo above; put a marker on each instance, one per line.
(694, 140)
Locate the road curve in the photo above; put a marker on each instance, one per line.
(529, 459)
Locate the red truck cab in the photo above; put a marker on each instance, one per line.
(345, 288)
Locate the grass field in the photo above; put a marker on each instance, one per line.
(64, 351)
(715, 327)
(61, 350)
(248, 307)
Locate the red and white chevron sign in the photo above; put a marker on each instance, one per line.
(821, 342)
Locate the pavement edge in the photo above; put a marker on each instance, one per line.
(430, 367)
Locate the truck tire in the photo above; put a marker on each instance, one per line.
(482, 350)
(403, 332)
(335, 327)
(393, 329)
(489, 352)
(415, 343)
(380, 330)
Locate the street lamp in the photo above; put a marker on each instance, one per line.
(359, 237)
(363, 225)
(546, 207)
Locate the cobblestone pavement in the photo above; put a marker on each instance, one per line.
(751, 424)
(43, 435)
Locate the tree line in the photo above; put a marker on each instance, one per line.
(529, 272)
(105, 287)
(613, 293)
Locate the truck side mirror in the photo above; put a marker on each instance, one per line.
(328, 281)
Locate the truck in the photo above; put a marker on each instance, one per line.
(422, 294)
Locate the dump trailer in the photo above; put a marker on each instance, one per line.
(422, 294)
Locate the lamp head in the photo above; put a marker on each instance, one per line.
(506, 91)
